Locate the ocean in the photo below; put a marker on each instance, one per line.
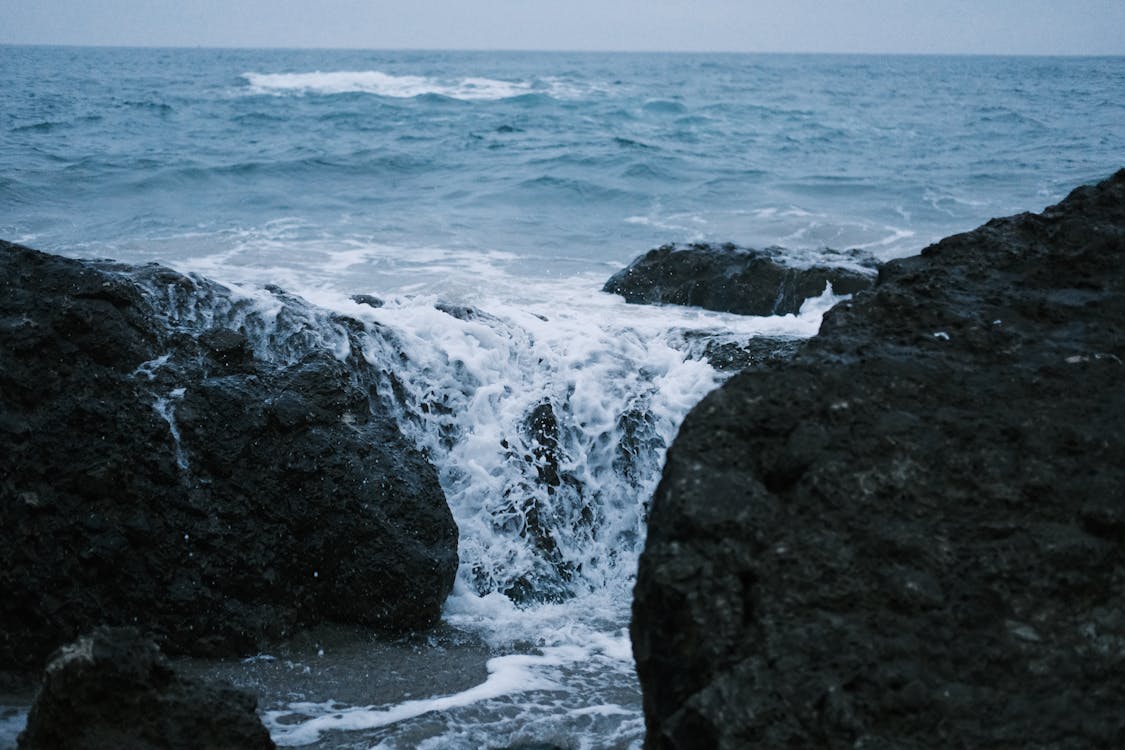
(507, 187)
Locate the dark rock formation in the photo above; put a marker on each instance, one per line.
(113, 689)
(175, 458)
(911, 534)
(367, 299)
(731, 279)
(731, 356)
(530, 514)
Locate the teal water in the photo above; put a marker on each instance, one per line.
(546, 160)
(516, 183)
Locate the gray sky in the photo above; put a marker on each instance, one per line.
(922, 26)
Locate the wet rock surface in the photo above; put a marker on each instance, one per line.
(114, 689)
(910, 534)
(732, 356)
(727, 278)
(215, 469)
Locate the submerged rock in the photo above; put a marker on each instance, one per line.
(177, 459)
(367, 299)
(732, 279)
(909, 534)
(113, 689)
(532, 509)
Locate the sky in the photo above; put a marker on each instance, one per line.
(1071, 27)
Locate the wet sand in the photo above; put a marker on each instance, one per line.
(352, 667)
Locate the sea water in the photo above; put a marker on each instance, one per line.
(485, 198)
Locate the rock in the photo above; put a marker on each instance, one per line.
(533, 508)
(731, 356)
(466, 313)
(113, 689)
(367, 299)
(909, 534)
(727, 278)
(176, 459)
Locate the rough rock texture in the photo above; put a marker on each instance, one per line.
(732, 356)
(912, 534)
(213, 468)
(113, 690)
(727, 278)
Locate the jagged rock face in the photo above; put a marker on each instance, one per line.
(727, 278)
(175, 461)
(113, 689)
(912, 533)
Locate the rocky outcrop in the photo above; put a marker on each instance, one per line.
(216, 468)
(732, 279)
(912, 533)
(731, 356)
(113, 689)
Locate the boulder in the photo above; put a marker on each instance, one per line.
(733, 279)
(911, 534)
(114, 689)
(215, 468)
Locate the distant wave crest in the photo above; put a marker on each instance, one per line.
(401, 87)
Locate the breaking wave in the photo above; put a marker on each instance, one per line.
(376, 82)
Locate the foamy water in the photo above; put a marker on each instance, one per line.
(618, 383)
(404, 87)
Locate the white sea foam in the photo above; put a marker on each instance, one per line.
(787, 226)
(507, 675)
(896, 238)
(164, 406)
(546, 570)
(686, 226)
(585, 682)
(613, 379)
(470, 88)
(148, 369)
(951, 202)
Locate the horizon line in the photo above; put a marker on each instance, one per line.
(560, 50)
